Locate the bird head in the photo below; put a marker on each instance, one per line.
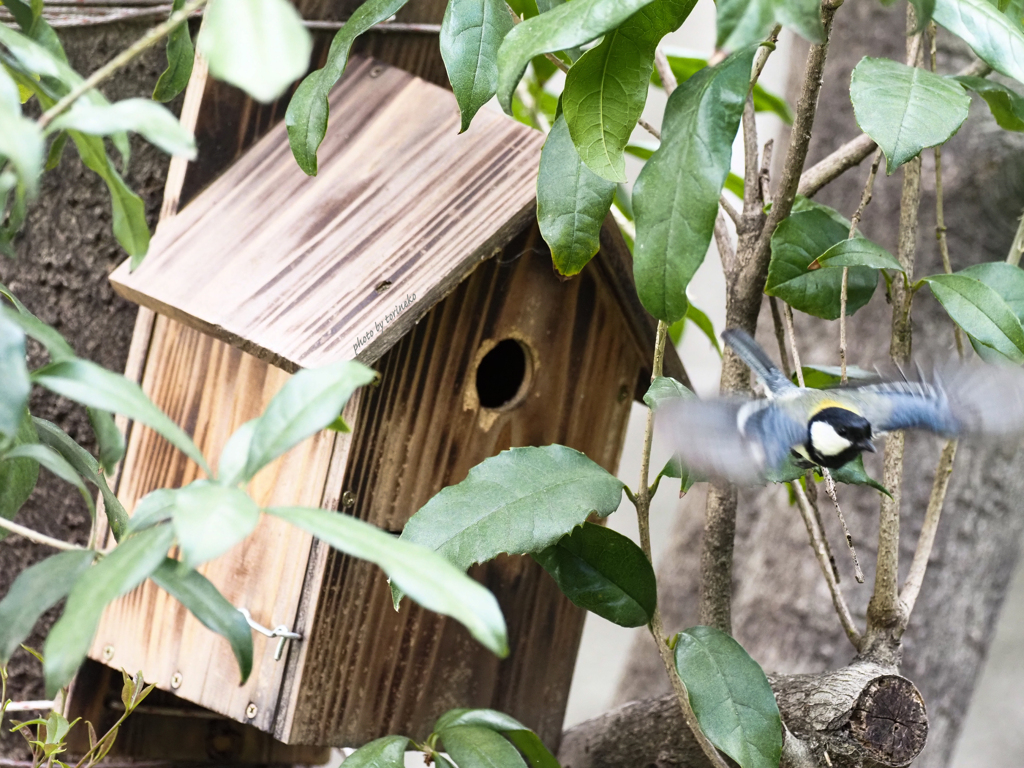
(837, 435)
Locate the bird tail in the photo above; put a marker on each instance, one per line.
(753, 355)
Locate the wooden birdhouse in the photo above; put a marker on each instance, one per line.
(415, 250)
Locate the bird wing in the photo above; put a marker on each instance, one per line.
(959, 400)
(731, 438)
(754, 356)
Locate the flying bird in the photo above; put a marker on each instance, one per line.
(746, 440)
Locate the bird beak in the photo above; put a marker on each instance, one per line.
(866, 445)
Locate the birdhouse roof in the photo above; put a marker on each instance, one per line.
(304, 271)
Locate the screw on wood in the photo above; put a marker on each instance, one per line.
(176, 679)
(251, 711)
(348, 499)
(382, 286)
(108, 653)
(281, 631)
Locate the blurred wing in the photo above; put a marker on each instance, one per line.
(893, 405)
(732, 439)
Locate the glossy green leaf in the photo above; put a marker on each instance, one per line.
(1006, 105)
(853, 473)
(129, 212)
(14, 379)
(675, 198)
(923, 8)
(94, 386)
(685, 67)
(386, 752)
(475, 747)
(108, 437)
(21, 142)
(1005, 279)
(665, 388)
(18, 477)
(152, 121)
(981, 312)
(210, 607)
(180, 57)
(35, 591)
(572, 202)
(52, 461)
(796, 243)
(209, 519)
(129, 564)
(528, 743)
(730, 696)
(743, 22)
(605, 573)
(522, 500)
(56, 151)
(996, 38)
(308, 110)
(562, 27)
(306, 404)
(471, 32)
(905, 109)
(605, 91)
(858, 252)
(86, 466)
(259, 46)
(424, 576)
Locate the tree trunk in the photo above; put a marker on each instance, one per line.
(65, 253)
(782, 612)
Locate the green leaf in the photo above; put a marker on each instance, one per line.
(858, 252)
(676, 195)
(259, 46)
(605, 91)
(96, 387)
(123, 569)
(703, 322)
(522, 500)
(35, 591)
(1005, 279)
(796, 243)
(471, 32)
(1006, 105)
(562, 27)
(109, 438)
(14, 379)
(533, 749)
(826, 376)
(475, 747)
(605, 573)
(153, 121)
(572, 202)
(685, 67)
(905, 109)
(56, 151)
(21, 142)
(981, 312)
(180, 57)
(18, 477)
(730, 696)
(387, 752)
(308, 110)
(306, 404)
(231, 465)
(425, 576)
(675, 468)
(130, 227)
(743, 22)
(55, 463)
(996, 38)
(210, 607)
(153, 508)
(86, 466)
(55, 344)
(665, 388)
(853, 473)
(209, 519)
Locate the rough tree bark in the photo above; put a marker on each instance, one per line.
(781, 609)
(65, 253)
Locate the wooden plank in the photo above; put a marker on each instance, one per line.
(304, 271)
(371, 671)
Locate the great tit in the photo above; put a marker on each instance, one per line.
(746, 440)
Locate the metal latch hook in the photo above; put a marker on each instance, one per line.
(281, 632)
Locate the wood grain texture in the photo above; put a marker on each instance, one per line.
(368, 670)
(303, 271)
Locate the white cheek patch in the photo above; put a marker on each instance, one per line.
(826, 441)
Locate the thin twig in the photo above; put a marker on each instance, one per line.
(1017, 248)
(38, 538)
(628, 227)
(649, 128)
(763, 53)
(151, 38)
(780, 336)
(726, 249)
(925, 541)
(788, 315)
(664, 67)
(727, 207)
(830, 489)
(766, 166)
(819, 545)
(751, 166)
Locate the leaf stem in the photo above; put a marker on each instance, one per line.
(38, 538)
(151, 38)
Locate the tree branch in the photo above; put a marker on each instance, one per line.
(668, 77)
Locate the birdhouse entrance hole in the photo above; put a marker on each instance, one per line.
(502, 375)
